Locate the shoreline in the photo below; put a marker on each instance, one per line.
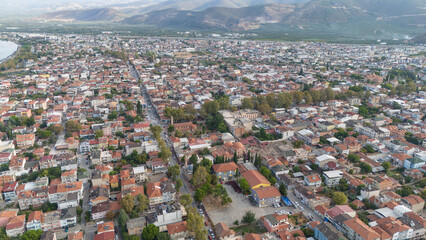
(12, 54)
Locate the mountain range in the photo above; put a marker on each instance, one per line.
(384, 18)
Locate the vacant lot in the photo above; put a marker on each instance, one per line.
(240, 204)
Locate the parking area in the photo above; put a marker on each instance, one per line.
(240, 204)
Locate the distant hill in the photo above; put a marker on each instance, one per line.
(419, 39)
(313, 12)
(342, 10)
(199, 5)
(363, 19)
(216, 17)
(97, 14)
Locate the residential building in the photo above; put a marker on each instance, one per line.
(332, 178)
(266, 196)
(225, 171)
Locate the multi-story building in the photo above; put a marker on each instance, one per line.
(59, 192)
(34, 221)
(413, 202)
(225, 171)
(25, 140)
(395, 228)
(135, 226)
(355, 229)
(326, 231)
(332, 178)
(266, 196)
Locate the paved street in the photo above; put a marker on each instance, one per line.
(306, 209)
(154, 119)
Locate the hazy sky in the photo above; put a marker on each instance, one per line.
(34, 7)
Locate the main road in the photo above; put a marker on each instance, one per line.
(154, 118)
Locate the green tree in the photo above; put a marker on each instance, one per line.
(308, 98)
(142, 203)
(200, 194)
(31, 235)
(127, 203)
(329, 93)
(308, 232)
(353, 157)
(113, 115)
(122, 219)
(405, 191)
(29, 121)
(171, 128)
(339, 198)
(298, 97)
(43, 134)
(3, 234)
(165, 153)
(163, 236)
(249, 217)
(201, 176)
(56, 129)
(139, 109)
(150, 232)
(73, 126)
(173, 172)
(222, 127)
(209, 108)
(297, 143)
(386, 166)
(110, 215)
(178, 185)
(283, 189)
(185, 200)
(244, 185)
(195, 224)
(156, 131)
(365, 167)
(264, 108)
(99, 133)
(247, 103)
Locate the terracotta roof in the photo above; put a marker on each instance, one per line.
(8, 213)
(338, 210)
(362, 229)
(254, 178)
(105, 236)
(76, 236)
(36, 215)
(225, 167)
(16, 222)
(129, 181)
(413, 199)
(314, 178)
(153, 190)
(267, 192)
(383, 234)
(321, 209)
(223, 230)
(105, 227)
(392, 225)
(252, 236)
(176, 227)
(113, 179)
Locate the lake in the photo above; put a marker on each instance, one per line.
(6, 49)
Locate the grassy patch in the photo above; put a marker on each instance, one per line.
(250, 228)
